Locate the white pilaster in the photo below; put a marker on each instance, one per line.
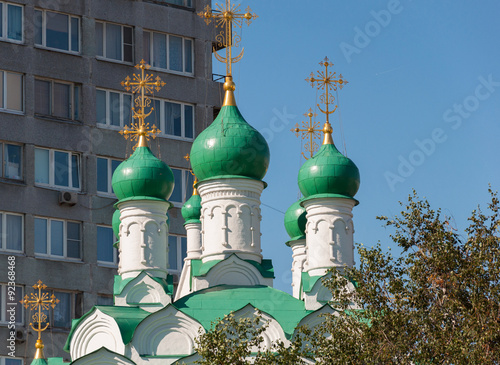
(329, 234)
(230, 217)
(193, 236)
(143, 238)
(299, 258)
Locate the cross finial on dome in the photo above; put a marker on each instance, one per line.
(226, 17)
(140, 131)
(40, 302)
(309, 130)
(327, 81)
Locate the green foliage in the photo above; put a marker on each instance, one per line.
(438, 303)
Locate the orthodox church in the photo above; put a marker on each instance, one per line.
(224, 270)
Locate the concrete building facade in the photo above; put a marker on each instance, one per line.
(61, 110)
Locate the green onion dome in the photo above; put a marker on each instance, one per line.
(295, 221)
(329, 172)
(143, 176)
(191, 210)
(230, 147)
(116, 221)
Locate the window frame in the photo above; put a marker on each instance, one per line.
(180, 256)
(5, 20)
(104, 40)
(185, 188)
(3, 238)
(5, 92)
(74, 100)
(167, 51)
(73, 304)
(115, 251)
(44, 32)
(162, 127)
(64, 256)
(108, 109)
(3, 144)
(4, 301)
(109, 166)
(3, 358)
(51, 183)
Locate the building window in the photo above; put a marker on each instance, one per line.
(57, 168)
(183, 188)
(113, 109)
(177, 251)
(11, 232)
(57, 31)
(105, 169)
(58, 238)
(57, 99)
(11, 361)
(11, 22)
(106, 253)
(114, 42)
(173, 119)
(169, 52)
(103, 299)
(69, 306)
(11, 91)
(186, 3)
(7, 300)
(11, 161)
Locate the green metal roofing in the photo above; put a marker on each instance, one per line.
(191, 210)
(230, 146)
(143, 175)
(199, 268)
(329, 172)
(307, 282)
(39, 362)
(127, 319)
(210, 304)
(295, 221)
(56, 361)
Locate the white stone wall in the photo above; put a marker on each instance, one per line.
(231, 218)
(143, 238)
(329, 234)
(299, 258)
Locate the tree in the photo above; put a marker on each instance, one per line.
(436, 303)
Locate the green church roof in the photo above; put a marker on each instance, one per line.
(230, 147)
(143, 176)
(210, 304)
(191, 210)
(295, 221)
(329, 172)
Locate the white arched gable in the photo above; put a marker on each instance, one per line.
(234, 271)
(95, 331)
(103, 357)
(145, 292)
(166, 332)
(316, 318)
(273, 332)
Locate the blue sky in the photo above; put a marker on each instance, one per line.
(421, 110)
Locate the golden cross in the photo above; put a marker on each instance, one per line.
(309, 128)
(226, 17)
(326, 81)
(195, 181)
(145, 84)
(42, 302)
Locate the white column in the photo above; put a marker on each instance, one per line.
(231, 218)
(329, 234)
(143, 238)
(193, 237)
(299, 258)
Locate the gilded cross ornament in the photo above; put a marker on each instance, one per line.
(225, 17)
(195, 180)
(40, 302)
(310, 130)
(326, 81)
(141, 84)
